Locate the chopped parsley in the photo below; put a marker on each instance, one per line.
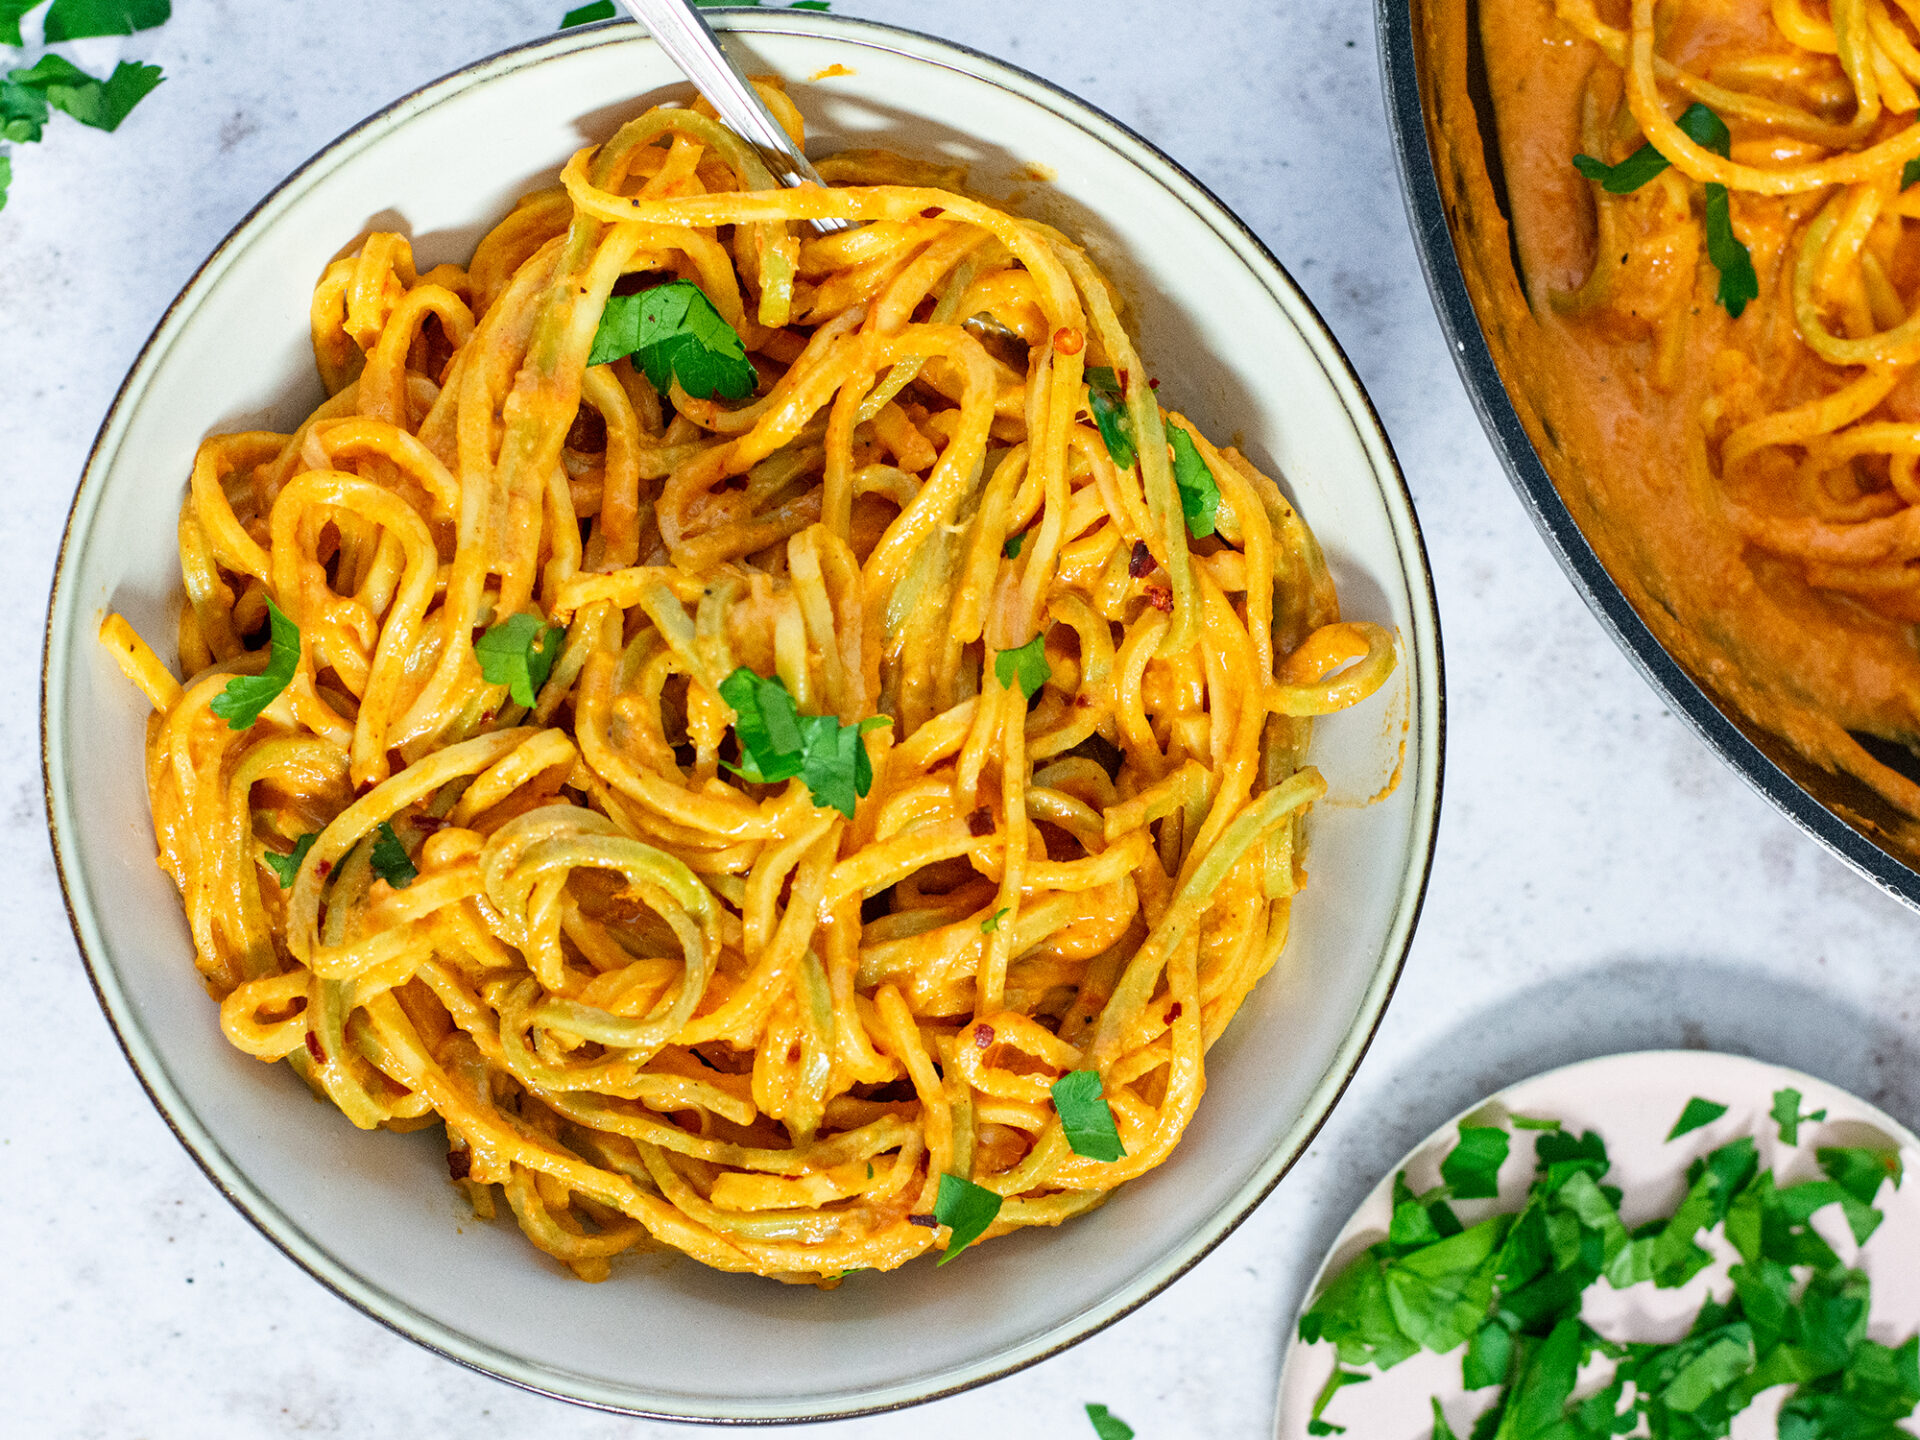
(1199, 491)
(966, 1209)
(587, 14)
(286, 867)
(103, 104)
(1698, 1113)
(1909, 173)
(778, 743)
(992, 922)
(389, 858)
(1026, 664)
(1786, 1114)
(1336, 1382)
(519, 652)
(246, 696)
(79, 19)
(1012, 548)
(1106, 1424)
(1085, 1117)
(1738, 283)
(674, 333)
(1109, 408)
(1472, 1168)
(1507, 1294)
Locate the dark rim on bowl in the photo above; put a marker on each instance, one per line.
(1433, 239)
(987, 69)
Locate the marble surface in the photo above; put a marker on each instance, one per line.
(1603, 882)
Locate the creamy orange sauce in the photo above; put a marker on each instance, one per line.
(1629, 374)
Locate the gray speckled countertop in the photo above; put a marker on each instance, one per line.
(1603, 882)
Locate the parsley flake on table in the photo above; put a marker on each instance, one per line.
(80, 19)
(519, 652)
(674, 333)
(11, 12)
(389, 858)
(1697, 1114)
(587, 14)
(1025, 664)
(778, 743)
(1199, 491)
(1085, 1116)
(103, 104)
(1109, 408)
(23, 112)
(1106, 1424)
(286, 867)
(966, 1209)
(246, 696)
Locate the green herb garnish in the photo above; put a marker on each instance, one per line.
(992, 922)
(1109, 408)
(1012, 548)
(1336, 1382)
(1199, 491)
(1472, 1168)
(23, 112)
(1027, 664)
(966, 1209)
(778, 743)
(1106, 1424)
(246, 696)
(10, 13)
(1696, 122)
(103, 104)
(674, 333)
(1527, 1122)
(519, 652)
(286, 867)
(1085, 1116)
(79, 19)
(1909, 173)
(1786, 1113)
(389, 858)
(587, 14)
(1698, 1113)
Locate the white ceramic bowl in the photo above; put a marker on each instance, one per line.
(1236, 345)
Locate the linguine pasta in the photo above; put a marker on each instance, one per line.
(654, 1001)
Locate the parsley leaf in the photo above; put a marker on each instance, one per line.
(778, 743)
(1909, 173)
(966, 1209)
(10, 14)
(389, 858)
(519, 652)
(1441, 1430)
(1026, 663)
(1336, 1382)
(1012, 548)
(6, 178)
(1527, 1122)
(1472, 1167)
(1786, 1113)
(1110, 414)
(285, 867)
(1738, 283)
(246, 696)
(23, 112)
(78, 19)
(992, 922)
(1698, 1113)
(1696, 122)
(103, 104)
(674, 333)
(587, 14)
(1086, 1117)
(1106, 1424)
(1199, 491)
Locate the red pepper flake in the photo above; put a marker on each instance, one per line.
(926, 1221)
(395, 760)
(1140, 563)
(313, 1049)
(1173, 1012)
(1069, 341)
(459, 1163)
(486, 717)
(980, 822)
(982, 1036)
(1160, 598)
(1120, 377)
(932, 212)
(323, 869)
(428, 824)
(1153, 384)
(1083, 701)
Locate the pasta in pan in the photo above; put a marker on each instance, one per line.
(799, 824)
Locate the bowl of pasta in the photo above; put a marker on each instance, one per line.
(758, 771)
(1672, 247)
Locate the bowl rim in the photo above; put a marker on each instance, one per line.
(1473, 357)
(1426, 720)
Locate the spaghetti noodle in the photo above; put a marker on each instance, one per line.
(656, 995)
